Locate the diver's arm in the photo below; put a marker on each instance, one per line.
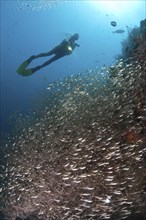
(77, 45)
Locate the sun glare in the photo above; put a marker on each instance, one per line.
(114, 6)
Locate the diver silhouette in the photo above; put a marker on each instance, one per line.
(66, 47)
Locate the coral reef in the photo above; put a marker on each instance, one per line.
(135, 45)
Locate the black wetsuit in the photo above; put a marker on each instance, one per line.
(66, 47)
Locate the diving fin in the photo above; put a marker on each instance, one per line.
(22, 69)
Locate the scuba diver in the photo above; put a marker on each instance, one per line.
(66, 47)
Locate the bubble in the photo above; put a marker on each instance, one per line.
(30, 5)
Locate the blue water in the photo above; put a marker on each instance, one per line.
(27, 29)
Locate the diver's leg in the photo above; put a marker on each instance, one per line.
(26, 72)
(56, 57)
(51, 52)
(22, 68)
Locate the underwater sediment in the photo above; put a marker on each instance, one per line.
(85, 157)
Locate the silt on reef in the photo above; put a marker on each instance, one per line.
(84, 158)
